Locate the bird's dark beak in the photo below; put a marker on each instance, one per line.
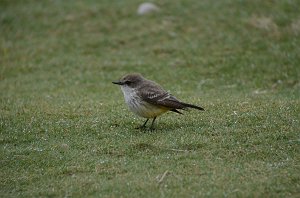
(118, 83)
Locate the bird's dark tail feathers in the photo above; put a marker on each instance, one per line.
(192, 106)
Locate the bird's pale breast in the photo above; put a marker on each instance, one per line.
(140, 107)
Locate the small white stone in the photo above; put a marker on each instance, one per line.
(146, 8)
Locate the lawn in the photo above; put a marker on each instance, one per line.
(65, 130)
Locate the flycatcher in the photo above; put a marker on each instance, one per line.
(148, 99)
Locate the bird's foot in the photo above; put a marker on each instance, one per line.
(142, 127)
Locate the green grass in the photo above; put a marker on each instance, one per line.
(66, 131)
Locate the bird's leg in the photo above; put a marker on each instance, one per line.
(152, 125)
(145, 123)
(143, 126)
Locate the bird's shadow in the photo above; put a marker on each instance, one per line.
(159, 127)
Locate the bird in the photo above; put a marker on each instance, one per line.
(148, 99)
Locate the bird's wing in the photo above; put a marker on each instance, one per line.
(158, 96)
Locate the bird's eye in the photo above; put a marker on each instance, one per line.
(127, 82)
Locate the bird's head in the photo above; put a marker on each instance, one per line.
(130, 80)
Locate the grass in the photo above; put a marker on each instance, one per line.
(66, 132)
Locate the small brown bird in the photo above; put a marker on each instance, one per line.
(148, 99)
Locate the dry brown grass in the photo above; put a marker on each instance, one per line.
(295, 26)
(265, 24)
